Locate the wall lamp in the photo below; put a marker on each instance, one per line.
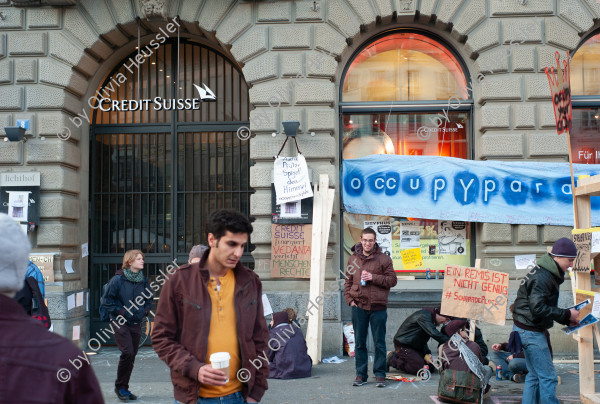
(15, 134)
(290, 128)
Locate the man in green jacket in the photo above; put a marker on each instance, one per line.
(535, 311)
(410, 341)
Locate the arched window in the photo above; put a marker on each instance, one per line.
(585, 92)
(395, 97)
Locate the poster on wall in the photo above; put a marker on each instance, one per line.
(410, 235)
(383, 235)
(452, 237)
(45, 262)
(18, 205)
(291, 179)
(290, 250)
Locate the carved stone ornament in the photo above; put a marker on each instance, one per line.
(154, 9)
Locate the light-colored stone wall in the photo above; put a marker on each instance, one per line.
(53, 59)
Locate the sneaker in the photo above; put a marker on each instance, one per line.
(359, 381)
(122, 394)
(131, 396)
(518, 378)
(380, 382)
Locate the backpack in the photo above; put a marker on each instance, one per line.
(31, 299)
(457, 386)
(104, 313)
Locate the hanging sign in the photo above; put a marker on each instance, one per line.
(291, 179)
(447, 188)
(583, 241)
(561, 94)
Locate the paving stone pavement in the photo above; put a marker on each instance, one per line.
(330, 383)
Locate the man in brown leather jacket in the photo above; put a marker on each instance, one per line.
(369, 302)
(215, 306)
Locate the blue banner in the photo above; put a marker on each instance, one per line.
(431, 187)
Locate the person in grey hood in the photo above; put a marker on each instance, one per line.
(535, 311)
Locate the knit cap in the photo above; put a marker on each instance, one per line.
(14, 250)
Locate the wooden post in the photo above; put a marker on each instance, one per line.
(587, 187)
(473, 321)
(575, 212)
(322, 210)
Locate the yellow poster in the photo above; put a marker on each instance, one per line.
(431, 259)
(412, 259)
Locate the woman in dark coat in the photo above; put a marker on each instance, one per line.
(288, 355)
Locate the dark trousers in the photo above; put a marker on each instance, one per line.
(407, 360)
(361, 319)
(127, 339)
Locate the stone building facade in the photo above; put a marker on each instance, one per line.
(55, 55)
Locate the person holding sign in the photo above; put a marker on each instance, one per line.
(369, 278)
(535, 311)
(410, 341)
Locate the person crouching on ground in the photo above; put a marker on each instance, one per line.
(410, 341)
(124, 291)
(511, 357)
(290, 360)
(535, 311)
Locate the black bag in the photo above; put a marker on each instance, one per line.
(39, 310)
(104, 314)
(457, 386)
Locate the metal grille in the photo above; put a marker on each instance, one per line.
(157, 175)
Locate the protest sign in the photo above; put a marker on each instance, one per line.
(583, 241)
(383, 235)
(561, 94)
(290, 250)
(291, 179)
(45, 263)
(412, 259)
(474, 293)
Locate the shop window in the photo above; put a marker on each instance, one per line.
(393, 87)
(585, 91)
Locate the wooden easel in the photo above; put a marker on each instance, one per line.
(322, 210)
(586, 187)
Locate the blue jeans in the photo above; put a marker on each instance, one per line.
(515, 366)
(541, 381)
(361, 319)
(235, 398)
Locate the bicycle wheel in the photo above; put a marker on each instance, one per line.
(146, 328)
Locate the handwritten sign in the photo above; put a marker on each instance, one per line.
(583, 241)
(412, 258)
(479, 294)
(291, 179)
(290, 250)
(46, 265)
(595, 241)
(561, 94)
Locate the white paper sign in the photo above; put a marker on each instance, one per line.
(524, 261)
(410, 235)
(266, 305)
(69, 266)
(71, 302)
(595, 242)
(79, 299)
(291, 179)
(76, 331)
(596, 306)
(452, 236)
(84, 250)
(383, 235)
(18, 205)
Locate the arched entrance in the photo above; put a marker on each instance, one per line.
(160, 166)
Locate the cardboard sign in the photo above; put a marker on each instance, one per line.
(412, 259)
(473, 293)
(290, 250)
(583, 241)
(46, 265)
(291, 179)
(561, 94)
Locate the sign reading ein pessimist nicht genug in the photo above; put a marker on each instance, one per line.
(447, 188)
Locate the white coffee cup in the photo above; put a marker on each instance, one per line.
(220, 361)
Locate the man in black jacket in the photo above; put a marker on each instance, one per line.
(535, 311)
(410, 341)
